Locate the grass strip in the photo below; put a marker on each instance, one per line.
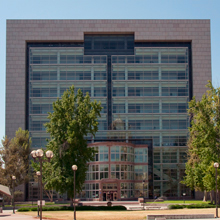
(78, 208)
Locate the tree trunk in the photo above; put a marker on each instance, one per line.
(49, 194)
(205, 196)
(211, 197)
(71, 202)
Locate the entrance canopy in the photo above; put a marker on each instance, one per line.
(5, 190)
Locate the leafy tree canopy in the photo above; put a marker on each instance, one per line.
(204, 141)
(74, 118)
(14, 158)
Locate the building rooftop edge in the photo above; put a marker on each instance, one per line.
(146, 20)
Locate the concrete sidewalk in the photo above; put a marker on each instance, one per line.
(7, 214)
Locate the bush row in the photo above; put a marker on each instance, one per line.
(78, 208)
(192, 206)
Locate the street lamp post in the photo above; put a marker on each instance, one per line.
(184, 194)
(216, 165)
(143, 192)
(39, 154)
(74, 168)
(38, 175)
(32, 189)
(13, 201)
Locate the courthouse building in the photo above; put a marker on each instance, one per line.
(144, 72)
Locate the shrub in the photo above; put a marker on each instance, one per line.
(24, 210)
(192, 206)
(176, 206)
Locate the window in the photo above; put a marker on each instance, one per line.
(143, 124)
(99, 92)
(104, 171)
(174, 107)
(140, 155)
(143, 91)
(122, 153)
(103, 152)
(118, 108)
(120, 75)
(169, 157)
(140, 172)
(175, 124)
(143, 108)
(118, 91)
(99, 75)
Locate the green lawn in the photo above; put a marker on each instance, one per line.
(30, 204)
(182, 201)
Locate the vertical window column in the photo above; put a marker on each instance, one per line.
(126, 106)
(92, 72)
(58, 57)
(58, 90)
(160, 92)
(160, 106)
(126, 70)
(160, 123)
(109, 91)
(126, 90)
(58, 78)
(58, 73)
(161, 139)
(159, 72)
(159, 57)
(178, 172)
(92, 90)
(126, 123)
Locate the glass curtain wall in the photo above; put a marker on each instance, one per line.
(144, 93)
(150, 95)
(51, 72)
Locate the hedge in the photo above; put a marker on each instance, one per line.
(78, 208)
(192, 206)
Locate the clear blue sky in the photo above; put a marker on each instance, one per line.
(108, 9)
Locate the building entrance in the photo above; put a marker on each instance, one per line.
(112, 196)
(110, 192)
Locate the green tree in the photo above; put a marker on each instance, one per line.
(204, 141)
(74, 117)
(15, 154)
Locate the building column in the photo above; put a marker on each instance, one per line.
(126, 106)
(92, 73)
(126, 71)
(58, 90)
(159, 73)
(58, 84)
(178, 172)
(58, 57)
(126, 90)
(159, 57)
(92, 90)
(58, 73)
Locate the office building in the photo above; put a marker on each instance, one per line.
(144, 72)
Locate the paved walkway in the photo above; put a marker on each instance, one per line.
(7, 214)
